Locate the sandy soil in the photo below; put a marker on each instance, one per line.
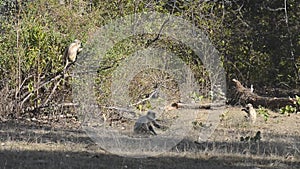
(31, 145)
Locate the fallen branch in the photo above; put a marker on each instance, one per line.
(247, 96)
(196, 106)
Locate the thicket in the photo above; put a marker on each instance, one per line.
(258, 41)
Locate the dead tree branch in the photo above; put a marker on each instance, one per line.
(247, 96)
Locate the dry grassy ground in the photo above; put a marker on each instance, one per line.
(30, 145)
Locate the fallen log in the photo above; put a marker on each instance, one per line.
(194, 106)
(248, 96)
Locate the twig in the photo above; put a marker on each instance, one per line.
(119, 109)
(42, 85)
(22, 84)
(158, 35)
(52, 92)
(143, 100)
(23, 101)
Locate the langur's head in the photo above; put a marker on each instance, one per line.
(249, 106)
(77, 42)
(151, 115)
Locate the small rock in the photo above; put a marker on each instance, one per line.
(69, 115)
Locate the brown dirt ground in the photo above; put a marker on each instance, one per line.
(31, 145)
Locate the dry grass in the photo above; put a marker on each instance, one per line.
(26, 145)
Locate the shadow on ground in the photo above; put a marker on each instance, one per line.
(77, 150)
(56, 159)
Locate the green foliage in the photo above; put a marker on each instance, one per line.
(291, 108)
(297, 101)
(264, 112)
(197, 97)
(31, 49)
(288, 109)
(256, 44)
(125, 48)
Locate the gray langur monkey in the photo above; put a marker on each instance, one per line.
(251, 112)
(143, 125)
(71, 52)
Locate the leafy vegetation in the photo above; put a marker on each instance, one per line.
(291, 108)
(288, 109)
(258, 41)
(264, 112)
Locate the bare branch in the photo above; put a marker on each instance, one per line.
(274, 10)
(146, 99)
(52, 92)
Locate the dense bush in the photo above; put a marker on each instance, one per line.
(257, 40)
